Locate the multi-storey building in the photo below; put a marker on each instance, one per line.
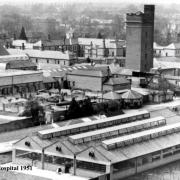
(139, 39)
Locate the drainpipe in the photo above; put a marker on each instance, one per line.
(135, 165)
(74, 164)
(42, 159)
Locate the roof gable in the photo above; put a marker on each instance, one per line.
(98, 156)
(33, 144)
(63, 151)
(3, 51)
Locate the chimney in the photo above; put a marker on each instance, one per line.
(42, 47)
(14, 36)
(49, 37)
(23, 47)
(91, 49)
(108, 72)
(178, 37)
(64, 40)
(7, 45)
(104, 48)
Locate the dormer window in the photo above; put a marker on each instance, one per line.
(91, 154)
(58, 148)
(27, 143)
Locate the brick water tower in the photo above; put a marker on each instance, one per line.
(139, 39)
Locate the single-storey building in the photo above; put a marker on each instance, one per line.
(47, 56)
(19, 64)
(115, 84)
(89, 79)
(17, 81)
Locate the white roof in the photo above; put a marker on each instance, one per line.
(114, 118)
(157, 46)
(19, 43)
(42, 54)
(140, 134)
(115, 128)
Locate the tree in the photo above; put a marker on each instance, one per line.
(88, 59)
(23, 34)
(99, 36)
(87, 108)
(35, 110)
(74, 110)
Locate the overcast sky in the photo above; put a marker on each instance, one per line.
(99, 1)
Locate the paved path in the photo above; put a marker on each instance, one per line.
(44, 173)
(6, 146)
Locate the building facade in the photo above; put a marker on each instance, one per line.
(100, 48)
(47, 56)
(139, 39)
(17, 81)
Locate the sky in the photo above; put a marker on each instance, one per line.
(99, 1)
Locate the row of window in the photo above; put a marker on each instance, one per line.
(149, 158)
(47, 61)
(140, 138)
(62, 161)
(83, 127)
(118, 130)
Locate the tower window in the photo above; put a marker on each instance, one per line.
(146, 34)
(145, 46)
(145, 56)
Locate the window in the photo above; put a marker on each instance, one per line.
(156, 156)
(64, 62)
(47, 61)
(146, 34)
(145, 160)
(112, 53)
(73, 83)
(58, 62)
(146, 56)
(166, 54)
(36, 60)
